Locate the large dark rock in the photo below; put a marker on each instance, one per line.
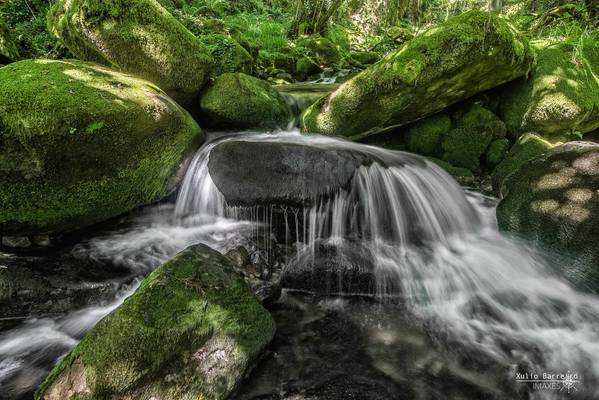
(191, 331)
(261, 173)
(332, 269)
(553, 200)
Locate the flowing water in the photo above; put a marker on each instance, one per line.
(438, 261)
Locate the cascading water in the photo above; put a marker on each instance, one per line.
(483, 293)
(431, 247)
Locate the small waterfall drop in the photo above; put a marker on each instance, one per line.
(487, 296)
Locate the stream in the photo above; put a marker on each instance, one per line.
(421, 297)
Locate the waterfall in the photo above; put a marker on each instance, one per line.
(485, 295)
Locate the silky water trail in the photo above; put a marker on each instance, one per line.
(442, 273)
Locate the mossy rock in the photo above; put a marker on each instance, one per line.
(463, 175)
(190, 331)
(553, 201)
(242, 101)
(476, 129)
(526, 148)
(80, 143)
(8, 48)
(365, 57)
(229, 55)
(497, 151)
(320, 49)
(425, 136)
(399, 34)
(137, 37)
(306, 67)
(561, 94)
(468, 54)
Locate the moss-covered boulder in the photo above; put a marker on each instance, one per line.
(526, 148)
(468, 54)
(474, 132)
(463, 175)
(497, 151)
(242, 101)
(229, 55)
(553, 200)
(306, 67)
(320, 49)
(561, 94)
(8, 48)
(80, 143)
(190, 331)
(137, 37)
(365, 57)
(425, 136)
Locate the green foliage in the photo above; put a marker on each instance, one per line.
(424, 136)
(26, 19)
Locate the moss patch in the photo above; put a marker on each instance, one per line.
(561, 95)
(139, 37)
(162, 340)
(526, 148)
(241, 101)
(470, 53)
(80, 143)
(424, 136)
(229, 55)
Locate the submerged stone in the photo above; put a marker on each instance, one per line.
(138, 37)
(237, 100)
(553, 200)
(80, 143)
(190, 331)
(468, 54)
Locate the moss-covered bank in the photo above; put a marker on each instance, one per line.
(470, 53)
(190, 331)
(80, 143)
(138, 37)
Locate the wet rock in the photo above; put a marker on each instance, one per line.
(16, 241)
(332, 269)
(191, 330)
(553, 200)
(265, 173)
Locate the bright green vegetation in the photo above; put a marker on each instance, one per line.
(424, 136)
(470, 53)
(80, 143)
(190, 331)
(526, 148)
(242, 101)
(228, 54)
(475, 130)
(553, 200)
(26, 22)
(562, 93)
(140, 38)
(462, 175)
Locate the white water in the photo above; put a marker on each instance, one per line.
(478, 292)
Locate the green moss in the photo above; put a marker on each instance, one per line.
(561, 95)
(526, 148)
(463, 175)
(424, 136)
(80, 143)
(464, 146)
(138, 37)
(365, 57)
(241, 101)
(229, 55)
(497, 151)
(152, 341)
(470, 53)
(320, 49)
(306, 67)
